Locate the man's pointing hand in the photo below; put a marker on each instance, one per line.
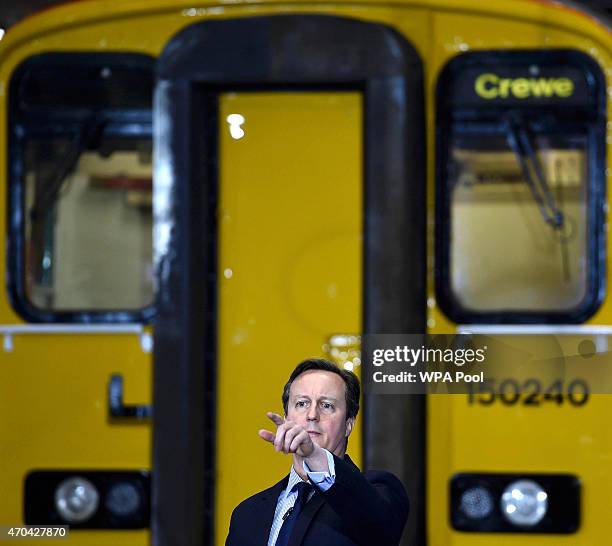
(289, 438)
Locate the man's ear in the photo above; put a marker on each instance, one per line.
(350, 423)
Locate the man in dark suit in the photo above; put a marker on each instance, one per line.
(325, 500)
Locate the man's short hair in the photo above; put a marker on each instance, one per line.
(351, 383)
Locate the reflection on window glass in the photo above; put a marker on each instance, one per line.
(519, 222)
(88, 223)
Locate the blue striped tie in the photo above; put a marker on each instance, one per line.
(303, 489)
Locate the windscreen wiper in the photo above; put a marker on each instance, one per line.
(522, 146)
(88, 134)
(48, 189)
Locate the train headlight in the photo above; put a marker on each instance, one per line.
(76, 499)
(524, 502)
(477, 502)
(123, 499)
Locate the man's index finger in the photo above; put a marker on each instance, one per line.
(275, 418)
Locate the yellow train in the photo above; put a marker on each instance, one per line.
(265, 181)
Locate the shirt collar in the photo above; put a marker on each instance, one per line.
(294, 478)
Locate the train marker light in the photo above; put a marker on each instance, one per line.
(477, 502)
(524, 503)
(123, 499)
(76, 499)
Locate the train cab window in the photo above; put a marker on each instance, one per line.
(81, 188)
(519, 209)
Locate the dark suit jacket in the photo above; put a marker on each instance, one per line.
(365, 509)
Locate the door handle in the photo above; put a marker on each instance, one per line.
(117, 409)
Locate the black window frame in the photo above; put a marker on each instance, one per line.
(594, 122)
(48, 122)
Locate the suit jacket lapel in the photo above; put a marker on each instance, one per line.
(308, 514)
(268, 500)
(305, 519)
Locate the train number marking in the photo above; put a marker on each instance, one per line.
(530, 392)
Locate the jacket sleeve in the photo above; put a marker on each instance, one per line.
(373, 507)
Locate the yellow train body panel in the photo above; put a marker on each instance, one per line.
(53, 400)
(271, 313)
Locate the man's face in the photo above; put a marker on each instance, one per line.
(317, 402)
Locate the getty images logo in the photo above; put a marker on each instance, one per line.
(427, 355)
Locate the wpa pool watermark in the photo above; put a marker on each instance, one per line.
(502, 368)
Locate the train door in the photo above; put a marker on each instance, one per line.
(289, 207)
